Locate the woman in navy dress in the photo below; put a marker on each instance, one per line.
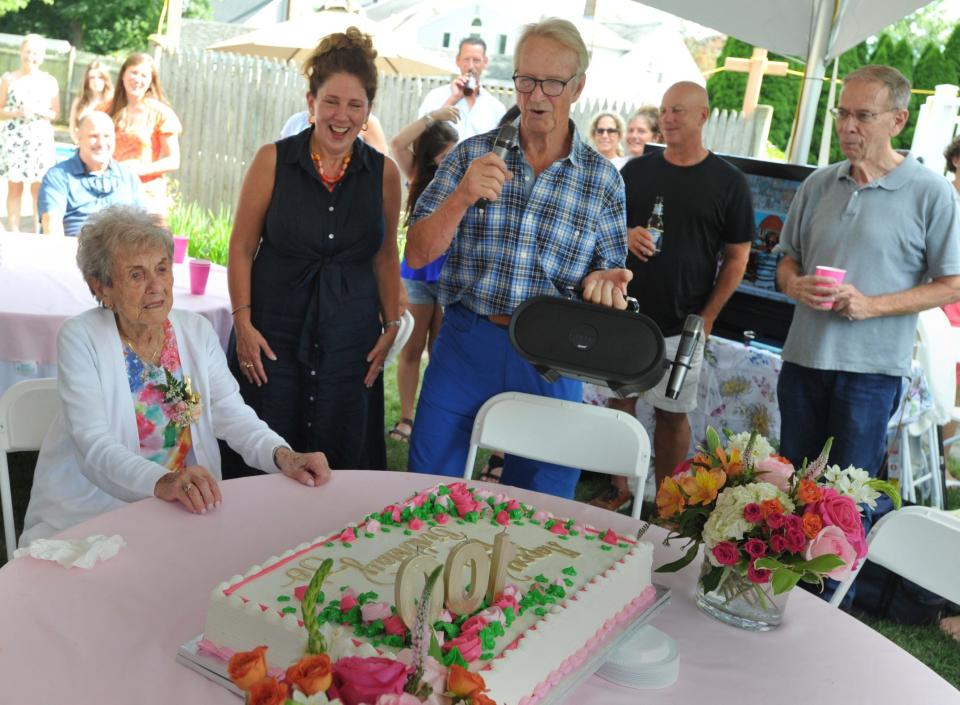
(314, 269)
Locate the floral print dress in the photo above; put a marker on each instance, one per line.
(26, 144)
(162, 440)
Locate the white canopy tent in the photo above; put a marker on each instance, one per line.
(815, 31)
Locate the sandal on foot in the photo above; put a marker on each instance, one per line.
(397, 433)
(612, 499)
(492, 470)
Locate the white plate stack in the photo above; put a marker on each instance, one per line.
(648, 659)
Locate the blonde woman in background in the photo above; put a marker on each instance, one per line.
(97, 89)
(29, 103)
(606, 130)
(148, 131)
(643, 127)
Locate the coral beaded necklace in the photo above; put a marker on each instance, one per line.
(330, 181)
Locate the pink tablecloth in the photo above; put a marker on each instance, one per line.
(41, 287)
(109, 635)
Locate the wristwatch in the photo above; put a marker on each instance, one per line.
(427, 121)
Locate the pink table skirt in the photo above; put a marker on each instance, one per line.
(110, 635)
(41, 287)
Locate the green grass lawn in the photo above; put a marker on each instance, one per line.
(926, 643)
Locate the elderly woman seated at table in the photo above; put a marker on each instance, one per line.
(145, 390)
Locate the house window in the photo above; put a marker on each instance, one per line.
(502, 44)
(446, 40)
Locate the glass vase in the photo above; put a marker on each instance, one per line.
(741, 603)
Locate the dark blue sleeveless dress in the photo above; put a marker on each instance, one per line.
(315, 300)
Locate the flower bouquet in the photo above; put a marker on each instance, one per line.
(765, 525)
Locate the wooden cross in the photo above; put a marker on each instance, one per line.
(755, 67)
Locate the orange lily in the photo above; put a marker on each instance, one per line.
(702, 487)
(670, 500)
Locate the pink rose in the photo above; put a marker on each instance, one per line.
(502, 518)
(372, 526)
(776, 521)
(831, 540)
(415, 524)
(610, 537)
(473, 625)
(513, 505)
(755, 548)
(776, 470)
(458, 487)
(402, 699)
(418, 500)
(778, 544)
(757, 575)
(795, 539)
(445, 616)
(752, 513)
(505, 600)
(726, 553)
(348, 600)
(363, 680)
(542, 515)
(394, 626)
(793, 522)
(558, 529)
(373, 611)
(348, 535)
(468, 644)
(838, 510)
(442, 518)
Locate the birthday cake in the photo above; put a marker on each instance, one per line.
(524, 596)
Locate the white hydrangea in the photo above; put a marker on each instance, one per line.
(316, 699)
(852, 482)
(761, 447)
(726, 522)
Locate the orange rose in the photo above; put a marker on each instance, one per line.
(808, 492)
(479, 698)
(267, 692)
(770, 506)
(462, 682)
(311, 674)
(248, 667)
(669, 499)
(812, 523)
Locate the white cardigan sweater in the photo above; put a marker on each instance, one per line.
(90, 459)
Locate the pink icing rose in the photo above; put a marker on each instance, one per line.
(473, 625)
(838, 510)
(348, 600)
(416, 524)
(464, 502)
(503, 518)
(513, 505)
(401, 699)
(757, 575)
(468, 644)
(299, 592)
(500, 498)
(442, 500)
(373, 611)
(493, 614)
(752, 513)
(726, 553)
(755, 548)
(445, 616)
(831, 540)
(363, 680)
(505, 600)
(394, 626)
(373, 526)
(483, 494)
(348, 535)
(458, 487)
(610, 537)
(776, 470)
(558, 529)
(441, 518)
(418, 500)
(542, 515)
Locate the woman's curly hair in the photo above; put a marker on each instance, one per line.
(348, 52)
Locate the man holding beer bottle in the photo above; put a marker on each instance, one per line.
(479, 111)
(701, 206)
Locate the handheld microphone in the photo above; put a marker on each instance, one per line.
(692, 332)
(501, 145)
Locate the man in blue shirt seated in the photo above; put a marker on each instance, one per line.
(555, 221)
(88, 182)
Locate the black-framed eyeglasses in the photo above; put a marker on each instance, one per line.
(606, 131)
(861, 116)
(550, 86)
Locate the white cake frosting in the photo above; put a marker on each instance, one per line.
(592, 577)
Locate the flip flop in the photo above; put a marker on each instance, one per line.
(397, 433)
(492, 470)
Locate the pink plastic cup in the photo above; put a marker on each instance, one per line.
(180, 248)
(199, 271)
(833, 273)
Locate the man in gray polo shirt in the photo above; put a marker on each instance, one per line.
(894, 226)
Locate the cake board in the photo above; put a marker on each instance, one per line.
(216, 670)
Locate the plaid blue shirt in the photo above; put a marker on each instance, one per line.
(572, 222)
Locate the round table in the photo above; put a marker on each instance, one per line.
(111, 634)
(41, 287)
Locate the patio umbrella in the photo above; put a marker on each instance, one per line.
(295, 39)
(813, 30)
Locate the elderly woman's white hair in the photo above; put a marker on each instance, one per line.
(116, 228)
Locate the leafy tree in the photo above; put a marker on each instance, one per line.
(951, 50)
(726, 90)
(929, 22)
(850, 60)
(902, 58)
(98, 26)
(883, 51)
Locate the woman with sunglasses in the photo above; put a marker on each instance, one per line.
(605, 132)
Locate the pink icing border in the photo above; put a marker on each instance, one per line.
(577, 659)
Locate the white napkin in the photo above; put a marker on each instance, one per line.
(80, 553)
(403, 335)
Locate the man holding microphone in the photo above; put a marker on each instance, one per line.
(554, 220)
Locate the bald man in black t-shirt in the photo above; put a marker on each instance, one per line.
(707, 217)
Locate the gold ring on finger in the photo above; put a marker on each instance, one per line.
(187, 486)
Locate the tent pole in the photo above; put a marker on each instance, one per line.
(827, 135)
(810, 89)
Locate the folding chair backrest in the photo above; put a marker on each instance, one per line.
(26, 411)
(920, 544)
(568, 433)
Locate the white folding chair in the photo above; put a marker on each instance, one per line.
(919, 543)
(26, 412)
(563, 432)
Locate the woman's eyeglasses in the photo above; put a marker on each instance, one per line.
(606, 131)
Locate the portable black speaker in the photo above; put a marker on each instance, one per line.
(621, 350)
